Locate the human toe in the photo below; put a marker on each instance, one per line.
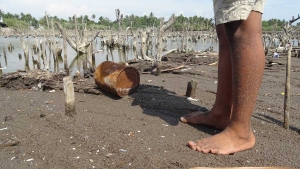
(192, 145)
(185, 118)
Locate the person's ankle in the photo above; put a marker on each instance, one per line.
(241, 130)
(220, 114)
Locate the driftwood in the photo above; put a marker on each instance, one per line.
(9, 144)
(170, 51)
(166, 70)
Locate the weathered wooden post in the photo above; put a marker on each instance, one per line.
(45, 62)
(69, 96)
(5, 58)
(191, 89)
(25, 49)
(93, 46)
(287, 93)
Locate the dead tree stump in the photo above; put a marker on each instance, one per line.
(69, 96)
(191, 89)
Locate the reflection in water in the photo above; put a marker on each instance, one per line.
(0, 69)
(20, 56)
(77, 62)
(14, 60)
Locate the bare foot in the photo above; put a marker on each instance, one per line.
(208, 118)
(228, 141)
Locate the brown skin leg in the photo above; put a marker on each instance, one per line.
(247, 61)
(219, 115)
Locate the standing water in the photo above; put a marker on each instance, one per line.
(12, 59)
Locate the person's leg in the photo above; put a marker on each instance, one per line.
(247, 70)
(219, 115)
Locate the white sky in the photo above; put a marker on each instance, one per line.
(279, 9)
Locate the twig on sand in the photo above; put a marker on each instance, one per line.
(213, 64)
(167, 70)
(9, 144)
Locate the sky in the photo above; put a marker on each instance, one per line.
(279, 9)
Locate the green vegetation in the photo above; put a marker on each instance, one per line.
(182, 23)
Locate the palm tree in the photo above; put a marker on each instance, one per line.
(93, 17)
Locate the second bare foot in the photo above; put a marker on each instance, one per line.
(226, 142)
(207, 118)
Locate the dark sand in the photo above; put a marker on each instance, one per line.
(142, 130)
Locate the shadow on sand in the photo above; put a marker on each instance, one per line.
(167, 105)
(272, 120)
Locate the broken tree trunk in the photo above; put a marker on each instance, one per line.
(25, 49)
(78, 46)
(163, 28)
(65, 53)
(143, 37)
(45, 62)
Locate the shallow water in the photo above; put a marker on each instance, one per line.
(15, 60)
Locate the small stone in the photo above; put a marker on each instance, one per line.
(109, 155)
(8, 118)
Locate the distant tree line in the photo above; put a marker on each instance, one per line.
(195, 23)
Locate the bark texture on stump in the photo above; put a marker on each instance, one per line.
(69, 96)
(191, 89)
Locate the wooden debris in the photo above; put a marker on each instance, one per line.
(69, 96)
(191, 89)
(9, 144)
